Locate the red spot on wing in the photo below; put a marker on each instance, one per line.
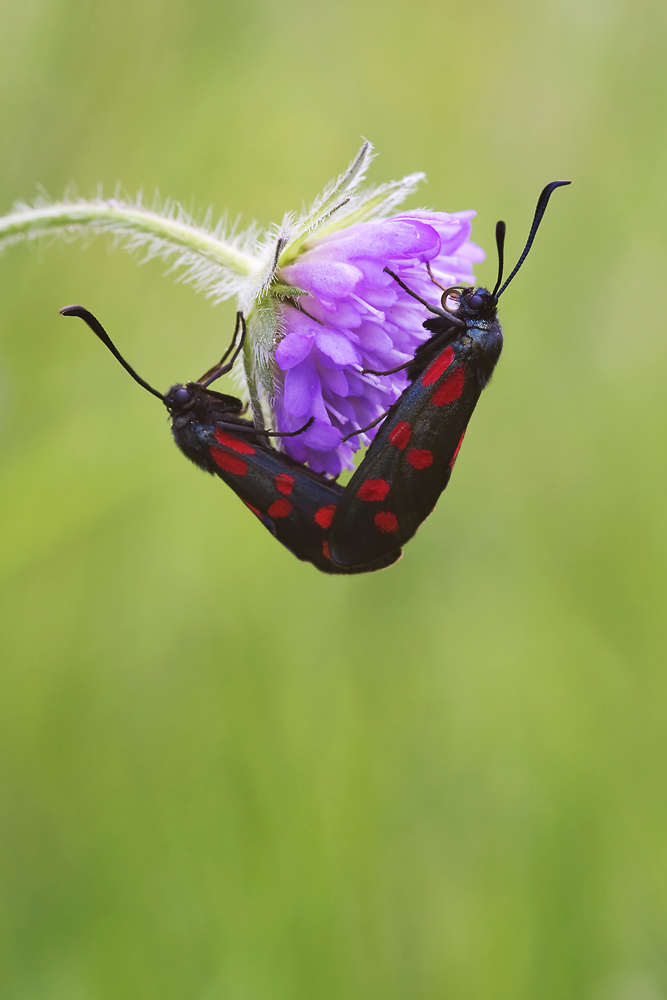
(386, 521)
(284, 483)
(400, 435)
(451, 388)
(280, 508)
(236, 444)
(325, 550)
(458, 448)
(324, 516)
(373, 489)
(230, 463)
(253, 509)
(420, 458)
(438, 367)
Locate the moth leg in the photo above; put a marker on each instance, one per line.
(433, 309)
(430, 274)
(368, 426)
(390, 371)
(221, 368)
(225, 355)
(288, 434)
(240, 428)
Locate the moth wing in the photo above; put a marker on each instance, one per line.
(406, 468)
(294, 503)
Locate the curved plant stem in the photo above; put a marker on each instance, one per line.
(120, 218)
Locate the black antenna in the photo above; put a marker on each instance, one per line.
(542, 203)
(501, 229)
(99, 330)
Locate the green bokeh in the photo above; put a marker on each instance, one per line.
(224, 776)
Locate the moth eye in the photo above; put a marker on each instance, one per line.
(182, 396)
(475, 301)
(451, 302)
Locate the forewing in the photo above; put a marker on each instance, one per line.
(295, 504)
(409, 463)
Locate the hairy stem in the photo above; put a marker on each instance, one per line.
(118, 217)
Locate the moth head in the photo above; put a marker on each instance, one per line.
(469, 303)
(199, 400)
(179, 398)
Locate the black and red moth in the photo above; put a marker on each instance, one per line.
(410, 461)
(294, 503)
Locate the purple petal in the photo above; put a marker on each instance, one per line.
(333, 380)
(336, 346)
(383, 240)
(471, 251)
(329, 282)
(302, 384)
(348, 316)
(453, 229)
(321, 436)
(296, 321)
(372, 337)
(293, 348)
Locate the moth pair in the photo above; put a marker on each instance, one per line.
(362, 526)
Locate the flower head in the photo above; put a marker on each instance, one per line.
(352, 316)
(319, 304)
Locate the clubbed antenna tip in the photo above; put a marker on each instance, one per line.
(541, 208)
(100, 332)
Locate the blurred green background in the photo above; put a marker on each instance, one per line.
(224, 776)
